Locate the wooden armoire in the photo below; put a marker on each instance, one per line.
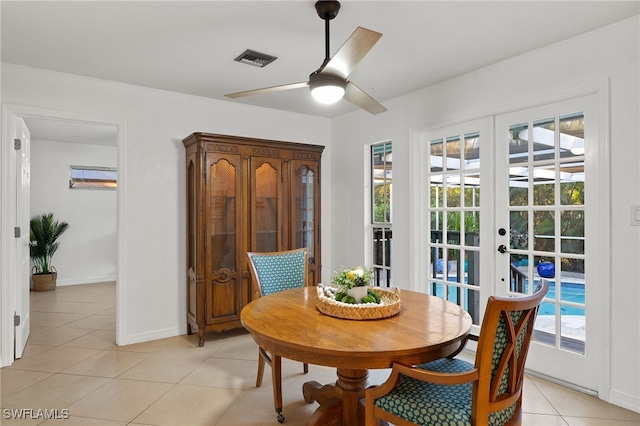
(243, 195)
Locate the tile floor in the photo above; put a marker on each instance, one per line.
(72, 365)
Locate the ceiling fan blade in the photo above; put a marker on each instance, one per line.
(357, 96)
(268, 90)
(351, 52)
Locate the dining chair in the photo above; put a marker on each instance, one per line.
(274, 272)
(451, 391)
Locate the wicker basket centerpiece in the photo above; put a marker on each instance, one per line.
(388, 305)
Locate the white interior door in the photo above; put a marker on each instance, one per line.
(549, 224)
(23, 266)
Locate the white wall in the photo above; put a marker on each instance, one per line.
(87, 251)
(151, 197)
(612, 52)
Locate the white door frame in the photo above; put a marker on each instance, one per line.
(8, 288)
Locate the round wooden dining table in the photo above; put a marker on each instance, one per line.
(289, 325)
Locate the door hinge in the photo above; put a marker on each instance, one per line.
(17, 144)
(16, 232)
(16, 320)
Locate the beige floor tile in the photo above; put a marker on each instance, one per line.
(164, 368)
(53, 319)
(179, 345)
(542, 420)
(584, 421)
(111, 327)
(54, 360)
(189, 405)
(98, 339)
(533, 401)
(107, 364)
(69, 307)
(59, 391)
(241, 346)
(94, 322)
(21, 418)
(13, 381)
(120, 400)
(254, 408)
(223, 373)
(31, 350)
(572, 403)
(82, 421)
(57, 336)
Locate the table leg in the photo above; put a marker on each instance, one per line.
(339, 404)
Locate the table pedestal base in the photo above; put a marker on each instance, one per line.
(339, 403)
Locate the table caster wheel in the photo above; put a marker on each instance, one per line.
(280, 418)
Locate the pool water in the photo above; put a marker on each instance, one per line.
(571, 292)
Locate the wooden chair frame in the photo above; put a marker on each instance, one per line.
(485, 394)
(264, 357)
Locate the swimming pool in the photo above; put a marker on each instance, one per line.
(569, 292)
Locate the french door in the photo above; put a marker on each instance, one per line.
(511, 192)
(548, 195)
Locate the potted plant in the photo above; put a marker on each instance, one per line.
(44, 234)
(354, 282)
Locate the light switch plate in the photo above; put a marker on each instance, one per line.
(635, 215)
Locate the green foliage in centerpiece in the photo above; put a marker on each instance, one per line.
(356, 277)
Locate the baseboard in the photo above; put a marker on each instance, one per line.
(154, 335)
(624, 400)
(85, 280)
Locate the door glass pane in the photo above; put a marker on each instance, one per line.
(518, 186)
(437, 156)
(572, 232)
(519, 226)
(544, 231)
(223, 215)
(304, 213)
(544, 185)
(266, 217)
(572, 183)
(543, 139)
(519, 143)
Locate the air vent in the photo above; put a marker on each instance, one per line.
(254, 58)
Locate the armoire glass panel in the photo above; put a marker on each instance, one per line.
(304, 214)
(266, 214)
(223, 217)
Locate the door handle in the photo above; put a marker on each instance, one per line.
(503, 249)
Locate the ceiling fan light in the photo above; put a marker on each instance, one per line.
(326, 89)
(328, 94)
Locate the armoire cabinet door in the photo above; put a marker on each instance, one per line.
(222, 215)
(305, 212)
(267, 215)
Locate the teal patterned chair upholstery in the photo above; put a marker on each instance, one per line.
(273, 272)
(453, 392)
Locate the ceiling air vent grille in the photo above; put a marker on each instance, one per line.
(254, 58)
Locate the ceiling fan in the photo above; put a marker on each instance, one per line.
(329, 83)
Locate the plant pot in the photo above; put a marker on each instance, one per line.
(44, 282)
(546, 270)
(357, 293)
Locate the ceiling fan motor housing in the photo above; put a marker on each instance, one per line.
(327, 10)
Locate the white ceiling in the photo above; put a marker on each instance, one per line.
(189, 47)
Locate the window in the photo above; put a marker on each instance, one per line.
(381, 213)
(86, 177)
